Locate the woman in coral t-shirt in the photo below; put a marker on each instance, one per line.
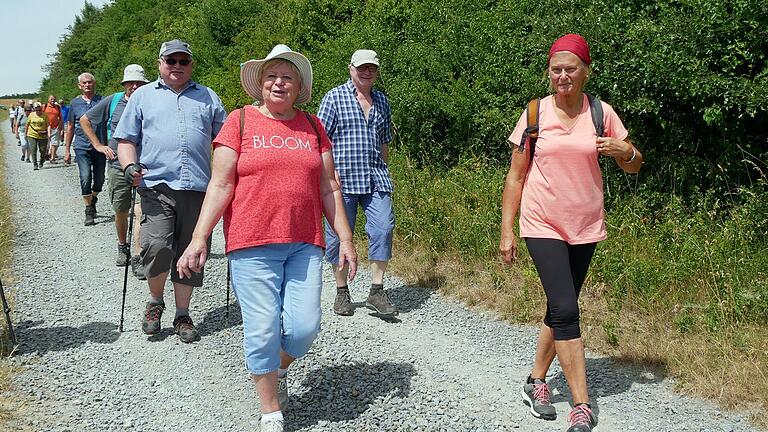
(272, 180)
(559, 195)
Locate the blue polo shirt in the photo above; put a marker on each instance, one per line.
(77, 108)
(173, 132)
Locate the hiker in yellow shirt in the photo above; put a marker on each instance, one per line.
(38, 130)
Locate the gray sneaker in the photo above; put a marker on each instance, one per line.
(272, 426)
(150, 323)
(581, 419)
(123, 255)
(343, 303)
(378, 301)
(282, 392)
(536, 396)
(138, 267)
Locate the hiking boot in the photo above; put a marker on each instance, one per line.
(581, 419)
(138, 267)
(536, 395)
(185, 329)
(94, 200)
(22, 158)
(150, 324)
(378, 301)
(272, 426)
(35, 167)
(343, 303)
(123, 255)
(90, 213)
(282, 392)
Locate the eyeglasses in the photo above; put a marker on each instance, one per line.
(367, 68)
(172, 61)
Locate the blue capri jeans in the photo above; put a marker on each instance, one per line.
(92, 167)
(379, 225)
(278, 287)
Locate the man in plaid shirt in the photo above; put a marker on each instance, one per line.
(358, 121)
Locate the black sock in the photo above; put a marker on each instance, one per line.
(377, 287)
(533, 380)
(588, 405)
(342, 288)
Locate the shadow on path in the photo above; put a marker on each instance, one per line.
(606, 377)
(343, 392)
(34, 338)
(216, 320)
(408, 298)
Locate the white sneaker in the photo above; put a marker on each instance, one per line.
(282, 392)
(272, 426)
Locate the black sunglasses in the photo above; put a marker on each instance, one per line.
(172, 61)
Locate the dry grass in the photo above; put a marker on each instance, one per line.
(717, 367)
(8, 405)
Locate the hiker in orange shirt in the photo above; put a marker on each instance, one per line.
(53, 111)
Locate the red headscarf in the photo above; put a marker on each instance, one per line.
(572, 43)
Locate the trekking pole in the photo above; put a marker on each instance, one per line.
(128, 264)
(7, 311)
(229, 276)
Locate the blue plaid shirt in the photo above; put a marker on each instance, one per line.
(356, 141)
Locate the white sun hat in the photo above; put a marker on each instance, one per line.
(250, 73)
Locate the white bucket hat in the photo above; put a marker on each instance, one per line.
(134, 72)
(250, 73)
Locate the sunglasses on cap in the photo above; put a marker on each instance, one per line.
(172, 61)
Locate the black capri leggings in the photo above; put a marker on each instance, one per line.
(562, 269)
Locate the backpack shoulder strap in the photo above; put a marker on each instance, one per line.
(242, 121)
(531, 133)
(112, 105)
(314, 126)
(596, 109)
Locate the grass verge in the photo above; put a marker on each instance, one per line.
(679, 284)
(7, 404)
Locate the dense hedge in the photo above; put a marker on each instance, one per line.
(689, 77)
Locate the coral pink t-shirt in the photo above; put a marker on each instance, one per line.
(277, 190)
(563, 191)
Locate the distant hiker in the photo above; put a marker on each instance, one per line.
(277, 159)
(90, 163)
(168, 125)
(21, 133)
(64, 116)
(37, 131)
(17, 113)
(53, 111)
(559, 194)
(108, 112)
(359, 123)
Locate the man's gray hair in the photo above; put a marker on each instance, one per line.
(85, 75)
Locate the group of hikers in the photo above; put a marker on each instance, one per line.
(38, 129)
(274, 172)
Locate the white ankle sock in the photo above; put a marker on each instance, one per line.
(277, 415)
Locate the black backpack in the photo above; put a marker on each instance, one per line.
(531, 132)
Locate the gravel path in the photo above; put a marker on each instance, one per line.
(440, 367)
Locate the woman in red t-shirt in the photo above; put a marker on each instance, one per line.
(559, 194)
(272, 180)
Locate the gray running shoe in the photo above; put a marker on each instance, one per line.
(581, 419)
(272, 426)
(282, 392)
(536, 396)
(123, 255)
(150, 323)
(378, 301)
(185, 329)
(343, 303)
(138, 267)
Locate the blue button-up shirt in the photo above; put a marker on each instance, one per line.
(173, 132)
(356, 141)
(78, 107)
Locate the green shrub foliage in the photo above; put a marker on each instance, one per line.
(689, 77)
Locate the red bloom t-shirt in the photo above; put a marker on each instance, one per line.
(277, 189)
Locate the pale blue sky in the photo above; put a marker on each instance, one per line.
(31, 31)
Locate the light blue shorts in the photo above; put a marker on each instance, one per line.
(278, 288)
(379, 225)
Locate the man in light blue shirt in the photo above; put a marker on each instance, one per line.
(168, 125)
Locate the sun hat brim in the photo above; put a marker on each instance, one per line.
(250, 73)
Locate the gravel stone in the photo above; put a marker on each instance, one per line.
(438, 367)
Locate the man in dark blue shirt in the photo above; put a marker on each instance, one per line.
(90, 163)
